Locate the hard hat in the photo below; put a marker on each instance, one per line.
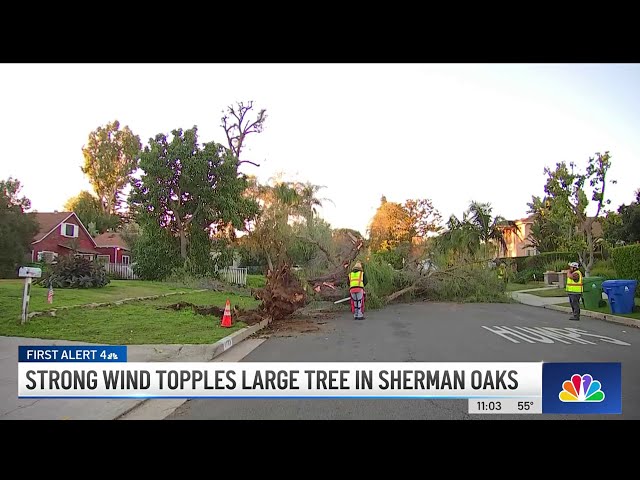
(574, 265)
(357, 266)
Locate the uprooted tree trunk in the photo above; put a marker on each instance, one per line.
(282, 295)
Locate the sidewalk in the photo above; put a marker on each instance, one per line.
(14, 408)
(536, 301)
(553, 303)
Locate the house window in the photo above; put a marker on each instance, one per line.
(47, 256)
(69, 230)
(104, 259)
(125, 259)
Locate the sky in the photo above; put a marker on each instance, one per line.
(452, 133)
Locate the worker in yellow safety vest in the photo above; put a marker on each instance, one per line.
(357, 282)
(574, 289)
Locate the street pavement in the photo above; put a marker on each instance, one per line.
(434, 332)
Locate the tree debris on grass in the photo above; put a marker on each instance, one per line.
(238, 314)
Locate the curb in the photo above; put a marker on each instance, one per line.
(630, 322)
(217, 349)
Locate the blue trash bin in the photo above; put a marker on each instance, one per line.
(621, 295)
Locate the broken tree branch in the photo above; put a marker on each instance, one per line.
(322, 249)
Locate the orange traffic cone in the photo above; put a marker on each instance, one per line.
(226, 317)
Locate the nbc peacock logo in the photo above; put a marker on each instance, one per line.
(581, 389)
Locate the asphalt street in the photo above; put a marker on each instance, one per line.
(434, 332)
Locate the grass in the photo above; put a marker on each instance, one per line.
(11, 294)
(140, 322)
(605, 309)
(514, 287)
(256, 281)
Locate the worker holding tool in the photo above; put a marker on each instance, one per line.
(574, 289)
(357, 282)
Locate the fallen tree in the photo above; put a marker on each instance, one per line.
(333, 285)
(282, 295)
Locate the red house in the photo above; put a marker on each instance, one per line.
(112, 248)
(61, 233)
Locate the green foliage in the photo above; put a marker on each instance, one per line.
(623, 227)
(396, 255)
(90, 211)
(130, 232)
(256, 281)
(471, 283)
(17, 228)
(157, 253)
(528, 275)
(312, 245)
(604, 268)
(555, 266)
(110, 156)
(567, 191)
(186, 189)
(75, 272)
(477, 233)
(627, 262)
(540, 261)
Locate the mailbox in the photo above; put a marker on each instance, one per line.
(29, 272)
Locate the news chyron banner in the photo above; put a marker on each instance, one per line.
(489, 387)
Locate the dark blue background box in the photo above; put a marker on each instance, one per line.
(72, 353)
(609, 375)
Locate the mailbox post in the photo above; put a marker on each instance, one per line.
(27, 273)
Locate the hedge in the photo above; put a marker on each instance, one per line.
(538, 262)
(626, 261)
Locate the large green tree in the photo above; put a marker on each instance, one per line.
(89, 209)
(17, 228)
(568, 189)
(623, 226)
(185, 188)
(110, 156)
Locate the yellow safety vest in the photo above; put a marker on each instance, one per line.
(572, 285)
(355, 279)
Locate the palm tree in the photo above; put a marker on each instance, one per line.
(309, 200)
(490, 229)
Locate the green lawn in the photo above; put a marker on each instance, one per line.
(553, 292)
(605, 309)
(514, 287)
(11, 294)
(256, 281)
(141, 322)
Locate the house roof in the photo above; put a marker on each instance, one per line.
(81, 249)
(111, 239)
(48, 221)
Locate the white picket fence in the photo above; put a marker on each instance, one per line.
(234, 275)
(121, 271)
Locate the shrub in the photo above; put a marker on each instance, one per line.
(555, 266)
(605, 269)
(626, 261)
(528, 275)
(75, 272)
